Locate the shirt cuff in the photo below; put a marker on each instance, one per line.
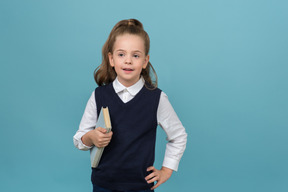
(170, 163)
(80, 145)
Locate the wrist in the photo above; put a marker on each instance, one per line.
(167, 170)
(86, 139)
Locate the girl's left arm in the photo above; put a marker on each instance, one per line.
(175, 131)
(177, 139)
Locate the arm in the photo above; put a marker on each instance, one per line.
(87, 136)
(177, 138)
(176, 134)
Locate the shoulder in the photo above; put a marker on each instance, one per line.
(164, 95)
(164, 99)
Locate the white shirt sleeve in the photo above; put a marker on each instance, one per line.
(176, 134)
(88, 123)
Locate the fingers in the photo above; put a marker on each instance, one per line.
(159, 176)
(101, 137)
(101, 129)
(154, 176)
(103, 132)
(106, 135)
(103, 142)
(153, 179)
(151, 168)
(157, 185)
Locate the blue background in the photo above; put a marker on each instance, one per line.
(222, 63)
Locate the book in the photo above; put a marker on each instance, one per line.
(104, 122)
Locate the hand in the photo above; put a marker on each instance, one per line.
(100, 138)
(161, 176)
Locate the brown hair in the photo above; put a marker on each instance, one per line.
(104, 73)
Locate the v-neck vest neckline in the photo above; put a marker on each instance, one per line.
(116, 96)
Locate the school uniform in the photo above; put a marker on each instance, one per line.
(135, 113)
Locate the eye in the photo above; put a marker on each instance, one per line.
(121, 54)
(136, 56)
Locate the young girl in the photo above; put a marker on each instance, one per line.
(136, 107)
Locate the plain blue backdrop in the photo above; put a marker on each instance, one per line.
(223, 64)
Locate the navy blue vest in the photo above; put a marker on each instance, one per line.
(132, 148)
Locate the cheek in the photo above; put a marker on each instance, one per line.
(117, 66)
(117, 63)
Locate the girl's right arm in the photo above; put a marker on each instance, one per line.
(87, 136)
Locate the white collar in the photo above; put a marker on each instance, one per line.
(133, 90)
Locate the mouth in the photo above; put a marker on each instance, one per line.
(128, 69)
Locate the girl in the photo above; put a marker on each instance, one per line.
(136, 107)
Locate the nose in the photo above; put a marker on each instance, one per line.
(128, 60)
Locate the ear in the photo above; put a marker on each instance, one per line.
(111, 61)
(146, 61)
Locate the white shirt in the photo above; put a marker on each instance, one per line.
(166, 118)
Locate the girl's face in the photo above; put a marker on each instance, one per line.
(128, 58)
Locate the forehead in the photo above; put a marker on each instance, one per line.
(129, 42)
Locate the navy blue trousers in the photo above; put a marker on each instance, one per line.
(100, 189)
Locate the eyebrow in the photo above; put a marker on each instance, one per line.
(137, 51)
